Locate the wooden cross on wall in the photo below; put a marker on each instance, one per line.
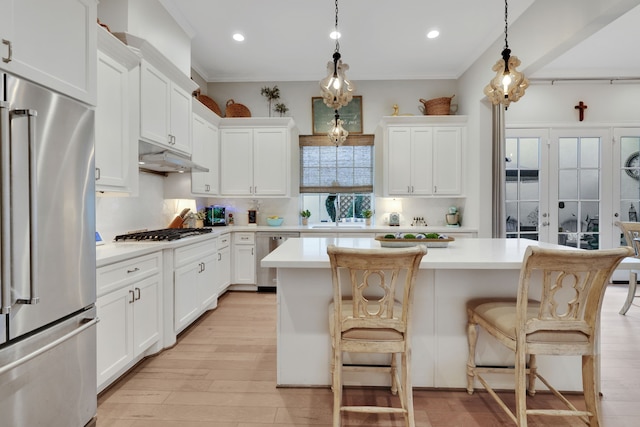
(581, 106)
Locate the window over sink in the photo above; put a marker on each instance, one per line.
(336, 182)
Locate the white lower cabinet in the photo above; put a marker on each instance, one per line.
(195, 289)
(223, 264)
(244, 258)
(128, 305)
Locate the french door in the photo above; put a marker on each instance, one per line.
(558, 185)
(626, 189)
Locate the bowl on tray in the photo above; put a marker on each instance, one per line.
(400, 240)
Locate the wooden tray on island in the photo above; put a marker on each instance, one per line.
(405, 243)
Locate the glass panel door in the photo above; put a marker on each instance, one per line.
(576, 160)
(523, 151)
(554, 185)
(627, 190)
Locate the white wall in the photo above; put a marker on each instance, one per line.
(118, 215)
(149, 20)
(608, 103)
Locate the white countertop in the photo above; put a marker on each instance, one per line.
(115, 252)
(120, 251)
(462, 253)
(350, 227)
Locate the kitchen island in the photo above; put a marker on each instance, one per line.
(448, 277)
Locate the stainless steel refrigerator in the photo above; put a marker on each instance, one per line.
(47, 253)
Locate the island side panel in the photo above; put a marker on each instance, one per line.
(303, 343)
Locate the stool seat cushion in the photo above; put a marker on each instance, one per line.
(501, 313)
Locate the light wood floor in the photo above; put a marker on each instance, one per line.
(222, 373)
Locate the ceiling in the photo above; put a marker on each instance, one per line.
(287, 40)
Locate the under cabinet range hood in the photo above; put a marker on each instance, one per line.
(167, 161)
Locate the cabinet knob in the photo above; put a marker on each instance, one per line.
(97, 174)
(133, 297)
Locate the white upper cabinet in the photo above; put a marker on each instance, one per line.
(52, 43)
(422, 156)
(180, 118)
(165, 110)
(165, 99)
(205, 153)
(116, 116)
(447, 160)
(256, 157)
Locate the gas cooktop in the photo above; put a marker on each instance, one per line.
(165, 234)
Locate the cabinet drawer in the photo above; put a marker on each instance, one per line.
(115, 276)
(191, 253)
(224, 240)
(242, 238)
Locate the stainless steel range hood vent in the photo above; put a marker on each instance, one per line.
(167, 161)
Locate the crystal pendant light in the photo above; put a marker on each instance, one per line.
(337, 134)
(337, 90)
(509, 84)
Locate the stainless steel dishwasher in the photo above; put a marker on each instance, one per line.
(266, 242)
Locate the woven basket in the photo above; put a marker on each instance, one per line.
(210, 104)
(437, 106)
(236, 110)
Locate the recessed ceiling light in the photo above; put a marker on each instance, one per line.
(238, 37)
(433, 34)
(335, 35)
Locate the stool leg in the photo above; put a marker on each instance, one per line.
(407, 387)
(532, 375)
(521, 388)
(590, 389)
(633, 281)
(394, 374)
(472, 338)
(337, 387)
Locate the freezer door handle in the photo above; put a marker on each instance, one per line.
(31, 115)
(5, 202)
(88, 323)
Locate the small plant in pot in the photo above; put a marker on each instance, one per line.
(367, 214)
(305, 214)
(200, 216)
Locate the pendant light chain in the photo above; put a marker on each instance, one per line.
(336, 29)
(506, 23)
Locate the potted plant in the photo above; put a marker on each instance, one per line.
(367, 214)
(281, 108)
(305, 214)
(200, 216)
(271, 93)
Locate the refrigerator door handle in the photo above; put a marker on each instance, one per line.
(31, 115)
(88, 323)
(5, 203)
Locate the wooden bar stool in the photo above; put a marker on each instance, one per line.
(564, 322)
(631, 231)
(375, 318)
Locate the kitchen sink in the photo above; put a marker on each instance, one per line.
(337, 227)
